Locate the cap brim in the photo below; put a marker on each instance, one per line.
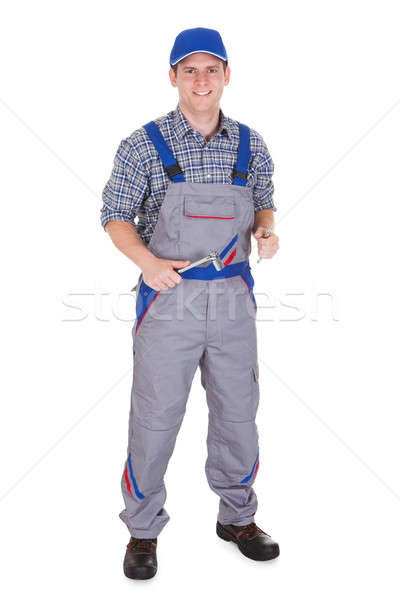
(195, 52)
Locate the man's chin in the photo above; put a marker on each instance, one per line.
(202, 105)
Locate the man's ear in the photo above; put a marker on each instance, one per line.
(227, 75)
(172, 77)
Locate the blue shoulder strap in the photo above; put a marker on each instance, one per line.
(239, 174)
(171, 166)
(174, 172)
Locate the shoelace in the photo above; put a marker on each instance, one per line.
(252, 530)
(144, 545)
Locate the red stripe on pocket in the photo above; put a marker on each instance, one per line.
(230, 257)
(207, 217)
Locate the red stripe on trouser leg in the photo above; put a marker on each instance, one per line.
(128, 485)
(257, 465)
(230, 257)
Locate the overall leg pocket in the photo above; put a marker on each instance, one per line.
(232, 434)
(145, 298)
(255, 386)
(248, 281)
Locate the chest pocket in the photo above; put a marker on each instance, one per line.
(211, 221)
(212, 208)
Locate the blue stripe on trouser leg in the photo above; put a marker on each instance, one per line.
(253, 471)
(135, 487)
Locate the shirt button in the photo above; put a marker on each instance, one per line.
(208, 175)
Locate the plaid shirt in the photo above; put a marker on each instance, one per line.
(138, 181)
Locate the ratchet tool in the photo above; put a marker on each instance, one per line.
(213, 257)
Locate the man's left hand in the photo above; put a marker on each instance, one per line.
(267, 246)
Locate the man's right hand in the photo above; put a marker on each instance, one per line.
(160, 274)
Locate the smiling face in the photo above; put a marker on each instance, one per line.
(200, 80)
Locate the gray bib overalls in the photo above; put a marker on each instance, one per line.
(207, 320)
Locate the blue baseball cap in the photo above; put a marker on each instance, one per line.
(199, 39)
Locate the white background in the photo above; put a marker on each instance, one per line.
(319, 81)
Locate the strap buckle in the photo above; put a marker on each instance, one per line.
(240, 174)
(173, 170)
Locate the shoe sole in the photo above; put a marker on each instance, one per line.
(229, 537)
(140, 573)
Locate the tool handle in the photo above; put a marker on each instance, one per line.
(196, 263)
(265, 235)
(183, 269)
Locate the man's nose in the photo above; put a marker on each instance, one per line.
(201, 79)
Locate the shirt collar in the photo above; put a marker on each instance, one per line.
(182, 126)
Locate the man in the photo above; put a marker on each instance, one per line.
(199, 183)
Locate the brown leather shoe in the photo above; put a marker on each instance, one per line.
(251, 540)
(140, 560)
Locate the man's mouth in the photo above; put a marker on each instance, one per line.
(205, 93)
